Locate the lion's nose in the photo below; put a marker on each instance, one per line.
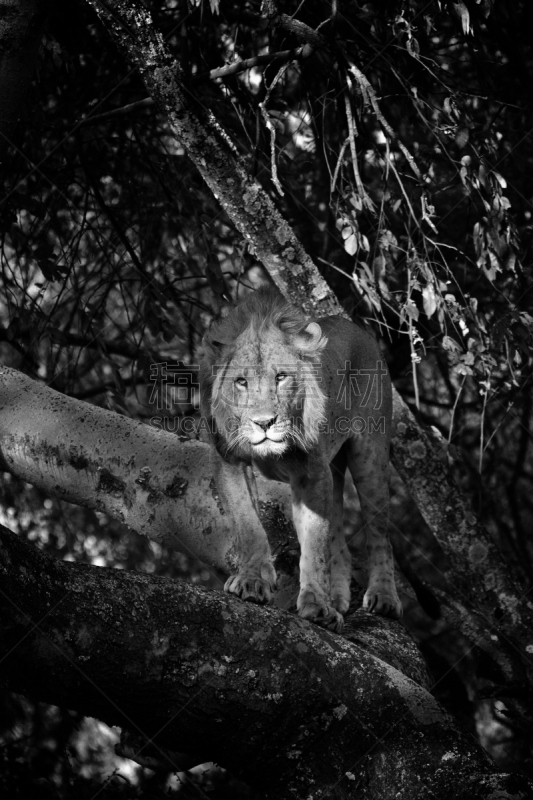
(264, 423)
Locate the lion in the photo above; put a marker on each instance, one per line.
(300, 401)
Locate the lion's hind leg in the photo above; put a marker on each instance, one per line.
(341, 559)
(368, 463)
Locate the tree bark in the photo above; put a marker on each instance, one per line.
(479, 575)
(21, 25)
(288, 707)
(157, 485)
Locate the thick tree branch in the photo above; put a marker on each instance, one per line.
(159, 486)
(283, 704)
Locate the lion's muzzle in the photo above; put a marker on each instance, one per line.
(266, 434)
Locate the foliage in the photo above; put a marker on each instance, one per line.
(399, 150)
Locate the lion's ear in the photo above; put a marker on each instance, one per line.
(315, 332)
(310, 338)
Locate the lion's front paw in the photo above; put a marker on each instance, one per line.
(384, 602)
(251, 587)
(340, 598)
(309, 607)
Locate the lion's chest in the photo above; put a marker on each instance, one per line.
(273, 470)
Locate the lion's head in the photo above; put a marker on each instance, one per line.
(260, 377)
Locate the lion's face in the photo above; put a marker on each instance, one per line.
(266, 395)
(263, 387)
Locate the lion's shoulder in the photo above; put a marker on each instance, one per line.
(348, 337)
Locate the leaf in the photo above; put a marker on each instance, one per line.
(527, 319)
(429, 299)
(413, 48)
(483, 175)
(461, 137)
(463, 369)
(492, 267)
(350, 245)
(387, 239)
(501, 180)
(486, 6)
(461, 11)
(450, 344)
(411, 310)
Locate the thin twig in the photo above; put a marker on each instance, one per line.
(271, 129)
(338, 164)
(458, 395)
(400, 184)
(248, 63)
(482, 434)
(352, 133)
(368, 92)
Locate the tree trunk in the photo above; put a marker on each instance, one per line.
(290, 708)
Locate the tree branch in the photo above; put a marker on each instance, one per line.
(159, 486)
(281, 703)
(220, 72)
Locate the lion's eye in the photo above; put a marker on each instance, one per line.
(241, 382)
(281, 376)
